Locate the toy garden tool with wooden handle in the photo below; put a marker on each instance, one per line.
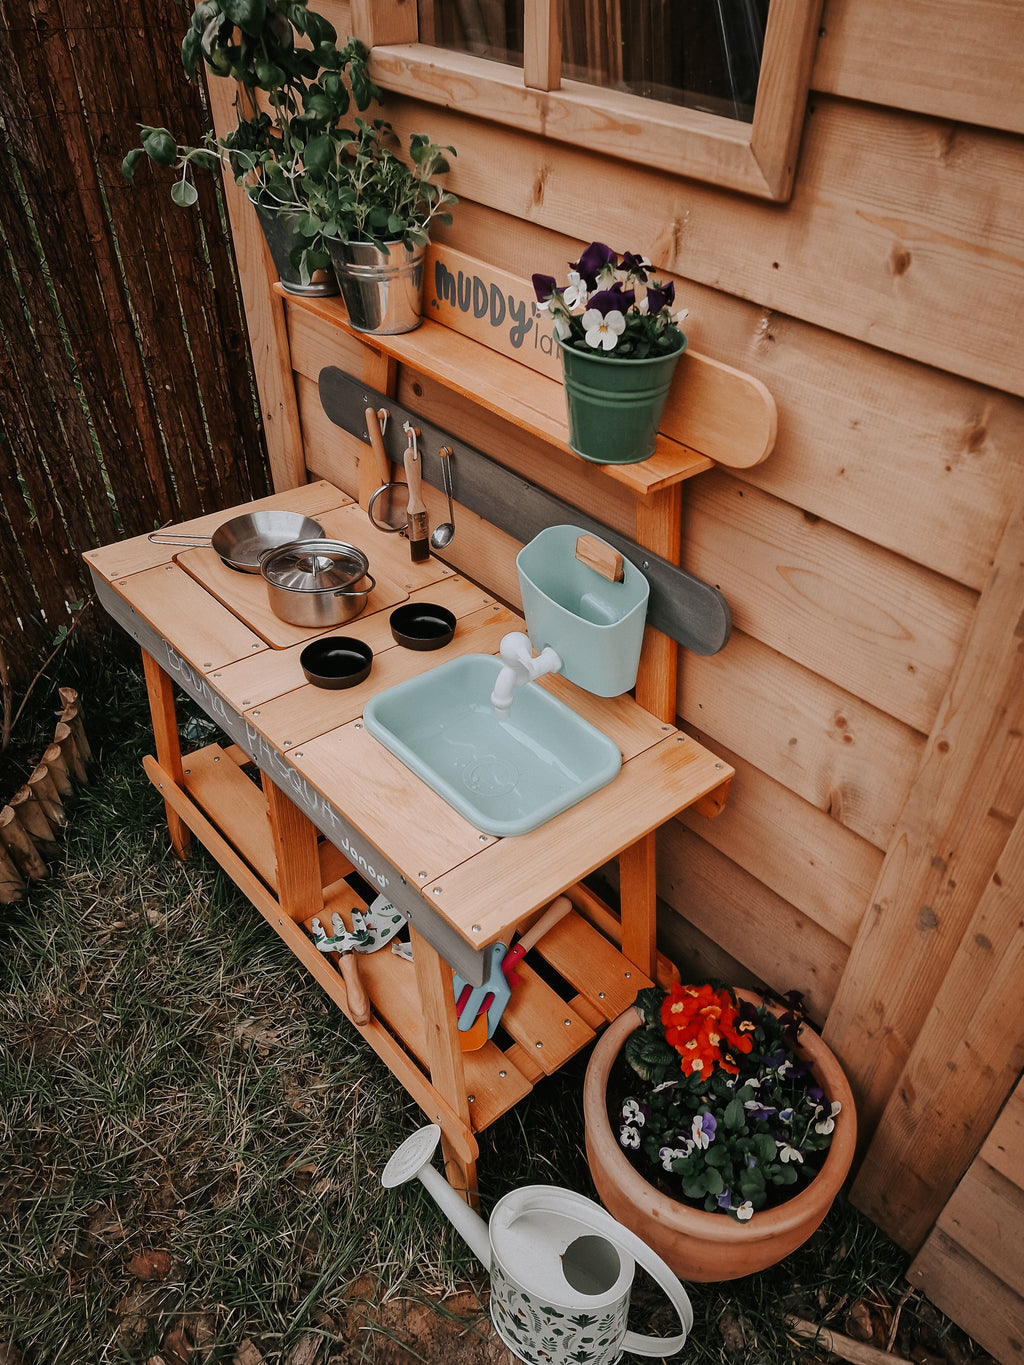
(369, 932)
(491, 998)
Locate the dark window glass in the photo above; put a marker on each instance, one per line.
(702, 54)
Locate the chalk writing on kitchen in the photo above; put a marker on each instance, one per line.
(489, 302)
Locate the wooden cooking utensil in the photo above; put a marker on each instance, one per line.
(417, 532)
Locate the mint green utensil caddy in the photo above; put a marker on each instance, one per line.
(594, 624)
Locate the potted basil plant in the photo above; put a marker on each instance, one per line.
(369, 214)
(294, 86)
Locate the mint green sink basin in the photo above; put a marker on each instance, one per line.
(505, 776)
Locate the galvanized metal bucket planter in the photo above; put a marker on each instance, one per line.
(382, 289)
(279, 229)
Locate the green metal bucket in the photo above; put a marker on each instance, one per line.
(615, 406)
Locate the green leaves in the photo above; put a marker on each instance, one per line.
(249, 15)
(319, 154)
(128, 164)
(650, 1056)
(159, 145)
(184, 193)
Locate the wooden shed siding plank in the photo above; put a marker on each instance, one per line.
(957, 59)
(760, 929)
(846, 758)
(985, 1215)
(949, 839)
(698, 956)
(885, 630)
(909, 221)
(966, 1056)
(978, 1301)
(822, 869)
(1003, 1149)
(910, 458)
(268, 332)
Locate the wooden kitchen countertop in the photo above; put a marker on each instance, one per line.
(211, 628)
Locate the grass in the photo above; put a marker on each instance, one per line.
(192, 1135)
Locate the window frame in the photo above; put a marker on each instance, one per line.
(757, 158)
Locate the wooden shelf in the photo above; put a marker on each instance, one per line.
(715, 414)
(510, 390)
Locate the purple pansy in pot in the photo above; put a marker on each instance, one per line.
(612, 307)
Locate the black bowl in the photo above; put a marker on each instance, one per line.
(336, 661)
(422, 625)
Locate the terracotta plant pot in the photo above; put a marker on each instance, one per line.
(696, 1244)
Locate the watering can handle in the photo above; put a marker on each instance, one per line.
(662, 1276)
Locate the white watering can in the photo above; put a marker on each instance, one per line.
(561, 1267)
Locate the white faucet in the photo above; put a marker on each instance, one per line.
(519, 668)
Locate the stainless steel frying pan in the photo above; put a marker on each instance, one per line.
(241, 541)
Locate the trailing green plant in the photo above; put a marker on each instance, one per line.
(368, 194)
(728, 1112)
(288, 53)
(291, 150)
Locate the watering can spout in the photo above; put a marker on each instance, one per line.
(411, 1161)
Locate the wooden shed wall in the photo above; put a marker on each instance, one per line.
(870, 697)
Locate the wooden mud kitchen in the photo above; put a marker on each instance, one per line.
(313, 818)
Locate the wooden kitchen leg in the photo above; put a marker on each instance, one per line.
(657, 529)
(638, 891)
(168, 746)
(444, 1055)
(299, 888)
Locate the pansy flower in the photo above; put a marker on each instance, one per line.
(660, 296)
(602, 330)
(629, 1136)
(598, 260)
(704, 1127)
(632, 1113)
(670, 1154)
(826, 1122)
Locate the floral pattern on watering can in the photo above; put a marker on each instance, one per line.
(545, 1334)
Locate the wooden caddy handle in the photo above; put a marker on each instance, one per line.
(598, 555)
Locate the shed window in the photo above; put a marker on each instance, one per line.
(699, 54)
(714, 90)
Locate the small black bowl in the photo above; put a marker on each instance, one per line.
(336, 661)
(422, 625)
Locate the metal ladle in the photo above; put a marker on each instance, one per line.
(442, 535)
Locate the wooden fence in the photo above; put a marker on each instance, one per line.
(126, 393)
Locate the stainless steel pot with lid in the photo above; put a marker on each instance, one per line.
(315, 582)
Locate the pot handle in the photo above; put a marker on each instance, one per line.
(177, 538)
(357, 592)
(670, 1286)
(602, 1222)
